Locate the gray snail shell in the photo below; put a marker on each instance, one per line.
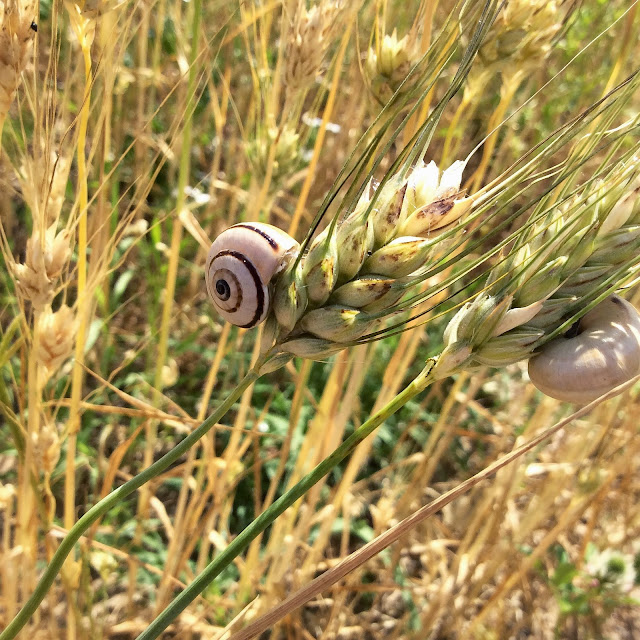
(240, 265)
(603, 354)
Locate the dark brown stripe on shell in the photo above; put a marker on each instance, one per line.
(264, 234)
(256, 280)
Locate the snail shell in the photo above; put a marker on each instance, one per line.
(603, 354)
(240, 265)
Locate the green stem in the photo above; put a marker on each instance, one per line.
(242, 541)
(115, 497)
(14, 425)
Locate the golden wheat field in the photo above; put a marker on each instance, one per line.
(399, 399)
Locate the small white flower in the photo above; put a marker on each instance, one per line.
(315, 123)
(613, 567)
(199, 197)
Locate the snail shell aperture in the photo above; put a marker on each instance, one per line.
(240, 265)
(603, 354)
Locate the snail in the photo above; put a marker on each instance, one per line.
(599, 353)
(241, 263)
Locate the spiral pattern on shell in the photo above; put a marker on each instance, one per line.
(240, 266)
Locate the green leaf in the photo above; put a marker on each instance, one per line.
(564, 574)
(121, 284)
(363, 530)
(94, 332)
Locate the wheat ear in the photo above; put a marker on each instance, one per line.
(17, 31)
(356, 272)
(569, 259)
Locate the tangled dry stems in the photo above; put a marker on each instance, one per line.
(462, 570)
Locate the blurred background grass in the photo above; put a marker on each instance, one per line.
(103, 136)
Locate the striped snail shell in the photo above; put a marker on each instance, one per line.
(599, 354)
(240, 265)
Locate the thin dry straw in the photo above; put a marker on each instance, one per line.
(359, 557)
(114, 498)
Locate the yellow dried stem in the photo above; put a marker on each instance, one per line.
(187, 500)
(84, 29)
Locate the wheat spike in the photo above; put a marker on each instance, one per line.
(43, 181)
(353, 274)
(522, 35)
(46, 257)
(16, 36)
(389, 63)
(46, 444)
(287, 156)
(312, 31)
(56, 331)
(567, 259)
